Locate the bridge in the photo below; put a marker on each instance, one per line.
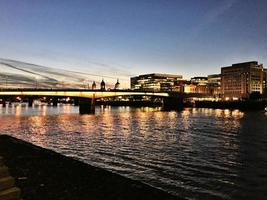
(86, 98)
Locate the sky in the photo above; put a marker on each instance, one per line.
(124, 38)
(16, 74)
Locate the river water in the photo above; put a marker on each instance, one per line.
(194, 153)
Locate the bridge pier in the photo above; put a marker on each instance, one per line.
(172, 103)
(4, 103)
(30, 101)
(86, 106)
(76, 101)
(55, 101)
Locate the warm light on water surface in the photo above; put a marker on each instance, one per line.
(195, 153)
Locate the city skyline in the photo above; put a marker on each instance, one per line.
(123, 38)
(18, 74)
(133, 99)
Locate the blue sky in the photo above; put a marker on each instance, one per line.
(121, 38)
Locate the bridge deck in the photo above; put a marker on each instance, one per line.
(81, 93)
(96, 93)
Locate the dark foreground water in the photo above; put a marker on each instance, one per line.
(195, 153)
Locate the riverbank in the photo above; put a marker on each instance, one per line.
(42, 174)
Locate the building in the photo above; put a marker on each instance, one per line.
(94, 86)
(102, 85)
(190, 88)
(179, 85)
(117, 85)
(200, 80)
(202, 89)
(197, 84)
(155, 82)
(264, 81)
(242, 79)
(214, 79)
(214, 85)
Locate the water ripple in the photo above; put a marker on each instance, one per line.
(195, 154)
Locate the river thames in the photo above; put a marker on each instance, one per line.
(194, 153)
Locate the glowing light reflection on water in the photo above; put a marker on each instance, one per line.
(195, 153)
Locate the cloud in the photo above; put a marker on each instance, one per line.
(26, 74)
(22, 74)
(89, 65)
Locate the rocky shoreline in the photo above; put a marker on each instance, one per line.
(43, 174)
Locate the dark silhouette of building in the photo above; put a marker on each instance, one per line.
(94, 86)
(117, 85)
(102, 85)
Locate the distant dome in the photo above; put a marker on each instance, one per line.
(117, 85)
